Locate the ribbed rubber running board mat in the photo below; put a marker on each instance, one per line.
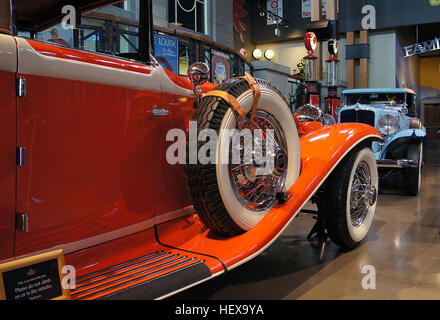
(148, 277)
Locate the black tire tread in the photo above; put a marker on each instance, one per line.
(331, 201)
(412, 174)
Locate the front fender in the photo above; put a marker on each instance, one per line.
(392, 148)
(321, 152)
(411, 133)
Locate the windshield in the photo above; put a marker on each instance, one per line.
(375, 98)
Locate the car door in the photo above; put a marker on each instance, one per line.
(91, 147)
(8, 66)
(178, 99)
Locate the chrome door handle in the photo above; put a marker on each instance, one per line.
(159, 112)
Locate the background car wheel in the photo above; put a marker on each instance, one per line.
(348, 200)
(229, 198)
(413, 176)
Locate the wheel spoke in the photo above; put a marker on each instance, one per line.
(254, 192)
(361, 185)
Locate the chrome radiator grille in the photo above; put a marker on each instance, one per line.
(359, 116)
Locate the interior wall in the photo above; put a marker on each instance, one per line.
(429, 78)
(286, 53)
(382, 58)
(407, 69)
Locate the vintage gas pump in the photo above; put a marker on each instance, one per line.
(332, 102)
(312, 84)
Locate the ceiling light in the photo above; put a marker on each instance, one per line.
(257, 54)
(269, 54)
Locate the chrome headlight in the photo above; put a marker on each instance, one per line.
(309, 112)
(388, 125)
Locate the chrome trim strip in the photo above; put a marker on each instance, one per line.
(165, 275)
(101, 272)
(96, 240)
(97, 284)
(140, 277)
(174, 215)
(113, 235)
(397, 164)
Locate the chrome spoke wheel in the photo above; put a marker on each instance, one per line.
(257, 192)
(363, 194)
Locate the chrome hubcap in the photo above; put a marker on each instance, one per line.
(258, 192)
(363, 194)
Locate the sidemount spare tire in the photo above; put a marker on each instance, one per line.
(230, 198)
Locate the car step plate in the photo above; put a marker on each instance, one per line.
(151, 276)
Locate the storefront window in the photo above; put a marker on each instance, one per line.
(191, 14)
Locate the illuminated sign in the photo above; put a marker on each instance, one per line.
(434, 3)
(423, 47)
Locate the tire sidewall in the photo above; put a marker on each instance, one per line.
(272, 103)
(414, 175)
(357, 234)
(419, 167)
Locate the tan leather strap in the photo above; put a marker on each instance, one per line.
(233, 103)
(256, 92)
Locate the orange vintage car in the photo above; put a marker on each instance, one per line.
(85, 135)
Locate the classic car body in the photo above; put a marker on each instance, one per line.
(83, 166)
(371, 106)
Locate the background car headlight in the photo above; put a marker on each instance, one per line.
(388, 125)
(328, 120)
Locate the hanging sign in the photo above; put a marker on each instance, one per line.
(276, 7)
(422, 47)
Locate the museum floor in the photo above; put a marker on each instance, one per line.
(403, 246)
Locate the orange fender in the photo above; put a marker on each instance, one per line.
(321, 151)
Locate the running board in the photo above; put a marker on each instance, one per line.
(147, 277)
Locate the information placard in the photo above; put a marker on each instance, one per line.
(34, 278)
